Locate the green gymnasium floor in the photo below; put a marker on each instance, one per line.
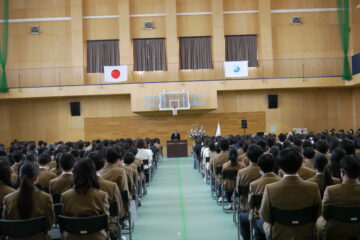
(179, 206)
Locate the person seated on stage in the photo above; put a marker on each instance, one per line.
(345, 194)
(45, 175)
(309, 154)
(219, 161)
(323, 177)
(266, 164)
(28, 202)
(232, 165)
(85, 199)
(175, 136)
(5, 179)
(288, 194)
(65, 181)
(244, 177)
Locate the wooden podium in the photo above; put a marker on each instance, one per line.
(177, 149)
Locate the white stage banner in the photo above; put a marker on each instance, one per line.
(236, 69)
(115, 73)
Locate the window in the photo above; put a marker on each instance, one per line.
(242, 48)
(102, 53)
(149, 54)
(195, 53)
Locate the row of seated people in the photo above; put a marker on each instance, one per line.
(108, 173)
(288, 173)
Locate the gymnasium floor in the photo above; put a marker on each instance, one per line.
(179, 207)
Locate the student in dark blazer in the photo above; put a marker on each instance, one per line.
(29, 202)
(175, 136)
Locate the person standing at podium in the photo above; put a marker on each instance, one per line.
(175, 136)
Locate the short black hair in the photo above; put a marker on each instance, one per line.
(98, 160)
(262, 144)
(224, 144)
(309, 152)
(348, 145)
(111, 155)
(266, 163)
(67, 161)
(320, 162)
(44, 159)
(322, 146)
(282, 137)
(129, 158)
(351, 165)
(254, 152)
(289, 160)
(17, 156)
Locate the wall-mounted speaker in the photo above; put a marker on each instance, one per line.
(75, 108)
(273, 101)
(243, 124)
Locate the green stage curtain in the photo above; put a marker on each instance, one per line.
(4, 38)
(344, 27)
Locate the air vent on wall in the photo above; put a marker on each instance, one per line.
(35, 30)
(296, 21)
(148, 25)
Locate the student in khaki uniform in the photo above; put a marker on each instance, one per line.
(112, 172)
(219, 161)
(309, 154)
(28, 202)
(244, 177)
(129, 172)
(232, 165)
(111, 189)
(345, 194)
(290, 193)
(213, 156)
(5, 182)
(65, 181)
(85, 199)
(128, 161)
(266, 164)
(18, 157)
(45, 175)
(323, 177)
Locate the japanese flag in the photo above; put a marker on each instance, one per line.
(116, 73)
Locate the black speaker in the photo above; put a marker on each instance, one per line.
(75, 108)
(244, 124)
(273, 101)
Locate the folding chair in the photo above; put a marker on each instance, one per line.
(218, 171)
(126, 202)
(29, 227)
(1, 212)
(229, 175)
(344, 214)
(114, 212)
(241, 191)
(207, 172)
(255, 203)
(56, 198)
(294, 218)
(84, 225)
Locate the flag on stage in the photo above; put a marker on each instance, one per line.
(218, 130)
(236, 69)
(115, 73)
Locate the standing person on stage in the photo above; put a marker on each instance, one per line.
(175, 136)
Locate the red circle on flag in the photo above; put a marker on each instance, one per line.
(115, 74)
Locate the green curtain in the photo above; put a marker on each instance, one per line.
(344, 27)
(4, 39)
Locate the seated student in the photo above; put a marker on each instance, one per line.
(322, 147)
(345, 194)
(244, 177)
(111, 189)
(65, 181)
(336, 156)
(45, 174)
(309, 154)
(112, 172)
(323, 177)
(219, 161)
(144, 154)
(232, 165)
(5, 182)
(18, 157)
(129, 161)
(290, 193)
(131, 176)
(28, 202)
(85, 199)
(267, 165)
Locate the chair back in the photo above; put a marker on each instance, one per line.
(255, 201)
(58, 209)
(293, 217)
(345, 214)
(1, 211)
(230, 174)
(218, 170)
(83, 225)
(56, 198)
(125, 198)
(113, 209)
(243, 190)
(207, 159)
(145, 162)
(29, 227)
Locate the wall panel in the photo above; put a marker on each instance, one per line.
(240, 5)
(147, 6)
(101, 29)
(100, 8)
(239, 24)
(39, 8)
(299, 4)
(183, 6)
(194, 25)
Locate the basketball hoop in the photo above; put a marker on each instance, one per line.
(174, 104)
